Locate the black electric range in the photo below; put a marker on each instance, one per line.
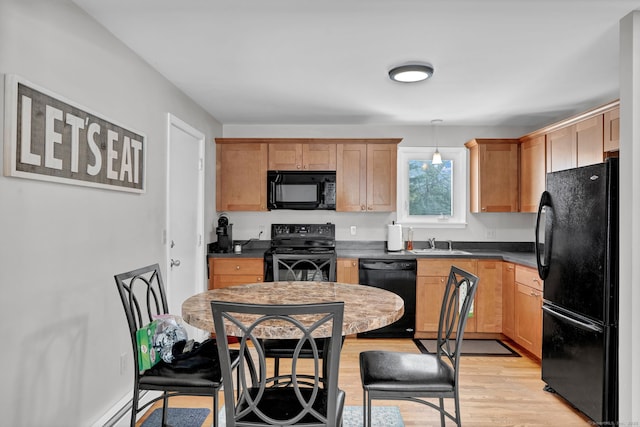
(301, 242)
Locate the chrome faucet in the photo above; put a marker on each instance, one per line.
(432, 242)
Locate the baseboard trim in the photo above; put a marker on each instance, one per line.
(119, 414)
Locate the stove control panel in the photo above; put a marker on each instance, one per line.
(303, 231)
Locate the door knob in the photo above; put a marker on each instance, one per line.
(175, 263)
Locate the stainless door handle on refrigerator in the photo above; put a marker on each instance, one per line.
(543, 266)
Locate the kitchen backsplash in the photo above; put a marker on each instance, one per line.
(486, 227)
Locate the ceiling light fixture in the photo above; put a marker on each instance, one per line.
(411, 73)
(437, 158)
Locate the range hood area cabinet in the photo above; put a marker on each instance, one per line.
(302, 157)
(365, 170)
(493, 175)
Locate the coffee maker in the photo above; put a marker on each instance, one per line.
(224, 233)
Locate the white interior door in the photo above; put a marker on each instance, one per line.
(185, 222)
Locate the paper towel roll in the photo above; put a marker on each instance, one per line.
(394, 238)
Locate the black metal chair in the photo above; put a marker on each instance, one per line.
(310, 398)
(390, 375)
(143, 296)
(295, 267)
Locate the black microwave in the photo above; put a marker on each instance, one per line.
(301, 190)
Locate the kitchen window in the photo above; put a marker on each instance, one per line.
(432, 195)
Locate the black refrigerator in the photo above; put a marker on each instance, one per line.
(577, 255)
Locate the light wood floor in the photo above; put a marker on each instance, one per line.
(495, 391)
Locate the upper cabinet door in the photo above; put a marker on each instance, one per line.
(351, 178)
(241, 177)
(589, 146)
(532, 172)
(284, 157)
(319, 157)
(381, 177)
(562, 149)
(298, 156)
(494, 175)
(612, 130)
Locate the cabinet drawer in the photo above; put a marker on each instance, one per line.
(245, 266)
(528, 276)
(442, 266)
(223, 281)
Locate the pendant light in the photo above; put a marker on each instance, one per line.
(437, 158)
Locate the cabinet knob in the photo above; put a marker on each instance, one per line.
(362, 208)
(369, 208)
(237, 267)
(298, 166)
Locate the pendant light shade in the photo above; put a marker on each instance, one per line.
(437, 158)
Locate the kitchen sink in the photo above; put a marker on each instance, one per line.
(442, 252)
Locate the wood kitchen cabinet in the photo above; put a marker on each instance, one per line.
(612, 130)
(347, 270)
(508, 299)
(561, 149)
(241, 176)
(532, 172)
(301, 156)
(224, 272)
(488, 301)
(528, 310)
(494, 175)
(431, 281)
(577, 144)
(366, 177)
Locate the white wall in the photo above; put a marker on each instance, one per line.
(63, 323)
(513, 227)
(629, 321)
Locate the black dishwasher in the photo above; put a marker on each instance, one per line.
(398, 276)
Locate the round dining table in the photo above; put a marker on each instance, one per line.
(365, 307)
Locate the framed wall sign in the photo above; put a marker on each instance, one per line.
(50, 138)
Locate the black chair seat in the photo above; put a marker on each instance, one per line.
(416, 373)
(283, 404)
(162, 375)
(186, 373)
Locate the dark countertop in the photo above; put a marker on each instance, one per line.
(519, 253)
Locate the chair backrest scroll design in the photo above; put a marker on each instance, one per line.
(304, 321)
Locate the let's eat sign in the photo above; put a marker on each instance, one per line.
(50, 138)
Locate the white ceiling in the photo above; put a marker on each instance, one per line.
(497, 62)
